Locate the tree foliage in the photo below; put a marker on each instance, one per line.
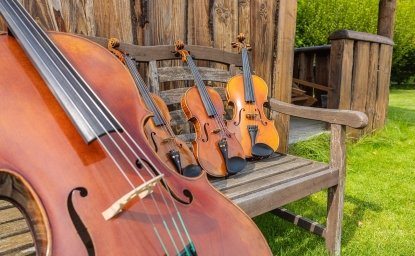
(317, 19)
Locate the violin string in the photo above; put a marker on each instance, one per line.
(148, 98)
(115, 143)
(248, 86)
(203, 90)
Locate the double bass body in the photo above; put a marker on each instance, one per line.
(70, 182)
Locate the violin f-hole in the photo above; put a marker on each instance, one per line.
(77, 222)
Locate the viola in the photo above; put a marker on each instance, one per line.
(74, 158)
(247, 94)
(216, 149)
(171, 150)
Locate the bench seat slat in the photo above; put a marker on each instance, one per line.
(276, 179)
(16, 244)
(265, 200)
(10, 215)
(13, 228)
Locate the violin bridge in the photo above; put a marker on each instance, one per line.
(141, 191)
(217, 130)
(251, 116)
(168, 139)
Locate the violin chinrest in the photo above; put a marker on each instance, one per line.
(261, 150)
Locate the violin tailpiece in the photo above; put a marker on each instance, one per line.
(141, 191)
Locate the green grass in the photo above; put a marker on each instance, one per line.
(379, 212)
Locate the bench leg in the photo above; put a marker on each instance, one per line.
(335, 197)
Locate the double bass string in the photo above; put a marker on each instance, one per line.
(118, 166)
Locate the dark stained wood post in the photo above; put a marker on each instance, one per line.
(283, 64)
(386, 18)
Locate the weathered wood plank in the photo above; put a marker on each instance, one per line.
(113, 19)
(174, 96)
(372, 85)
(14, 228)
(254, 173)
(244, 19)
(78, 17)
(382, 97)
(283, 64)
(276, 179)
(359, 36)
(182, 73)
(42, 12)
(341, 63)
(275, 196)
(225, 23)
(200, 31)
(10, 215)
(335, 195)
(359, 81)
(15, 244)
(300, 221)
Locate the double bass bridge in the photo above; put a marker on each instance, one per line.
(141, 191)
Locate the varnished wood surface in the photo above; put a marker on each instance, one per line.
(44, 123)
(205, 146)
(266, 131)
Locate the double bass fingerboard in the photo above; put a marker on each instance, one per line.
(84, 108)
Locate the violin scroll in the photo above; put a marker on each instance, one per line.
(241, 44)
(180, 51)
(115, 43)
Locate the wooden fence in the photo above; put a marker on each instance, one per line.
(356, 67)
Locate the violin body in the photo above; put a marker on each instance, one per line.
(162, 143)
(209, 133)
(248, 114)
(70, 183)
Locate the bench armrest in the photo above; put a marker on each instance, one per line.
(354, 119)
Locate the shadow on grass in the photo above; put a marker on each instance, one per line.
(402, 115)
(286, 239)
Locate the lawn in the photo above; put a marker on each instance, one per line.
(379, 213)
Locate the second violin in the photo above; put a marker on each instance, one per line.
(217, 150)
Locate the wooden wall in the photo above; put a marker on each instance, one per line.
(212, 23)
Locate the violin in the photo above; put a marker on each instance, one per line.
(216, 149)
(247, 94)
(171, 150)
(75, 160)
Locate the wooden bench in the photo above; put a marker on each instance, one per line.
(266, 185)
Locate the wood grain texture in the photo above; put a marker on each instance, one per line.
(283, 64)
(350, 118)
(360, 36)
(78, 17)
(199, 25)
(382, 96)
(340, 78)
(359, 81)
(335, 197)
(372, 85)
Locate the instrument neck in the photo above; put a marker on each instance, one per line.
(207, 102)
(82, 105)
(248, 87)
(145, 93)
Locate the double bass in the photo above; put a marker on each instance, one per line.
(216, 148)
(171, 150)
(247, 93)
(74, 158)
